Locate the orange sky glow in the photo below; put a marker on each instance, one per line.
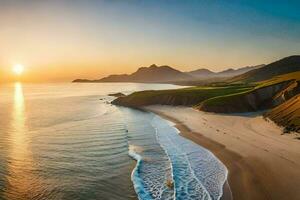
(62, 41)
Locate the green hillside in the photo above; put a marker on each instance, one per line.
(258, 98)
(280, 67)
(272, 87)
(241, 102)
(280, 78)
(187, 96)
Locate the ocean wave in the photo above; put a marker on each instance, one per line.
(151, 176)
(138, 182)
(168, 165)
(197, 173)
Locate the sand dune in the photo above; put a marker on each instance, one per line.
(262, 163)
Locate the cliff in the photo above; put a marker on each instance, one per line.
(260, 98)
(287, 115)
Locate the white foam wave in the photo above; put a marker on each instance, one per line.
(136, 178)
(197, 173)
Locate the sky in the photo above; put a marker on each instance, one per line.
(60, 40)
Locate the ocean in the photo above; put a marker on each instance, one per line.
(66, 141)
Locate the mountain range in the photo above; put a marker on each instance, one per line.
(274, 88)
(204, 73)
(151, 74)
(167, 74)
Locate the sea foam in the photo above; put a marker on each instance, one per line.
(152, 175)
(197, 173)
(136, 178)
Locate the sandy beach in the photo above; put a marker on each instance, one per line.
(262, 163)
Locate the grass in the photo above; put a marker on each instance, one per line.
(278, 79)
(187, 96)
(225, 99)
(221, 100)
(222, 97)
(214, 95)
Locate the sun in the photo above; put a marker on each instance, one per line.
(18, 69)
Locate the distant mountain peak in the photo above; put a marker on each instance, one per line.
(151, 74)
(228, 70)
(204, 73)
(202, 70)
(153, 66)
(165, 73)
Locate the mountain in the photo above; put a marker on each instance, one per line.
(278, 94)
(234, 72)
(151, 74)
(201, 73)
(286, 65)
(206, 74)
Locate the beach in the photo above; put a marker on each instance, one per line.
(262, 163)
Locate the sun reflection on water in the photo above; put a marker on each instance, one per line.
(18, 112)
(20, 166)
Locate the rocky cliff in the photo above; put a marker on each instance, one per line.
(287, 114)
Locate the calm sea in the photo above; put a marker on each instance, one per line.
(66, 141)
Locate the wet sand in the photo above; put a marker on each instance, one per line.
(262, 163)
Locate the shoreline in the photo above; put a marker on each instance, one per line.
(250, 175)
(184, 131)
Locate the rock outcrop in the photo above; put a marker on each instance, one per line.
(287, 115)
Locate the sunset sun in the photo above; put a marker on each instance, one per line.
(18, 69)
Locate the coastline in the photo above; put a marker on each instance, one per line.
(255, 172)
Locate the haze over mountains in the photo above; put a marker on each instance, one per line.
(205, 73)
(152, 73)
(165, 74)
(149, 74)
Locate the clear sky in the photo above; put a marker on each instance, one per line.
(61, 40)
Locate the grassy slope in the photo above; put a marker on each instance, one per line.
(281, 78)
(284, 66)
(228, 99)
(187, 96)
(286, 114)
(221, 95)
